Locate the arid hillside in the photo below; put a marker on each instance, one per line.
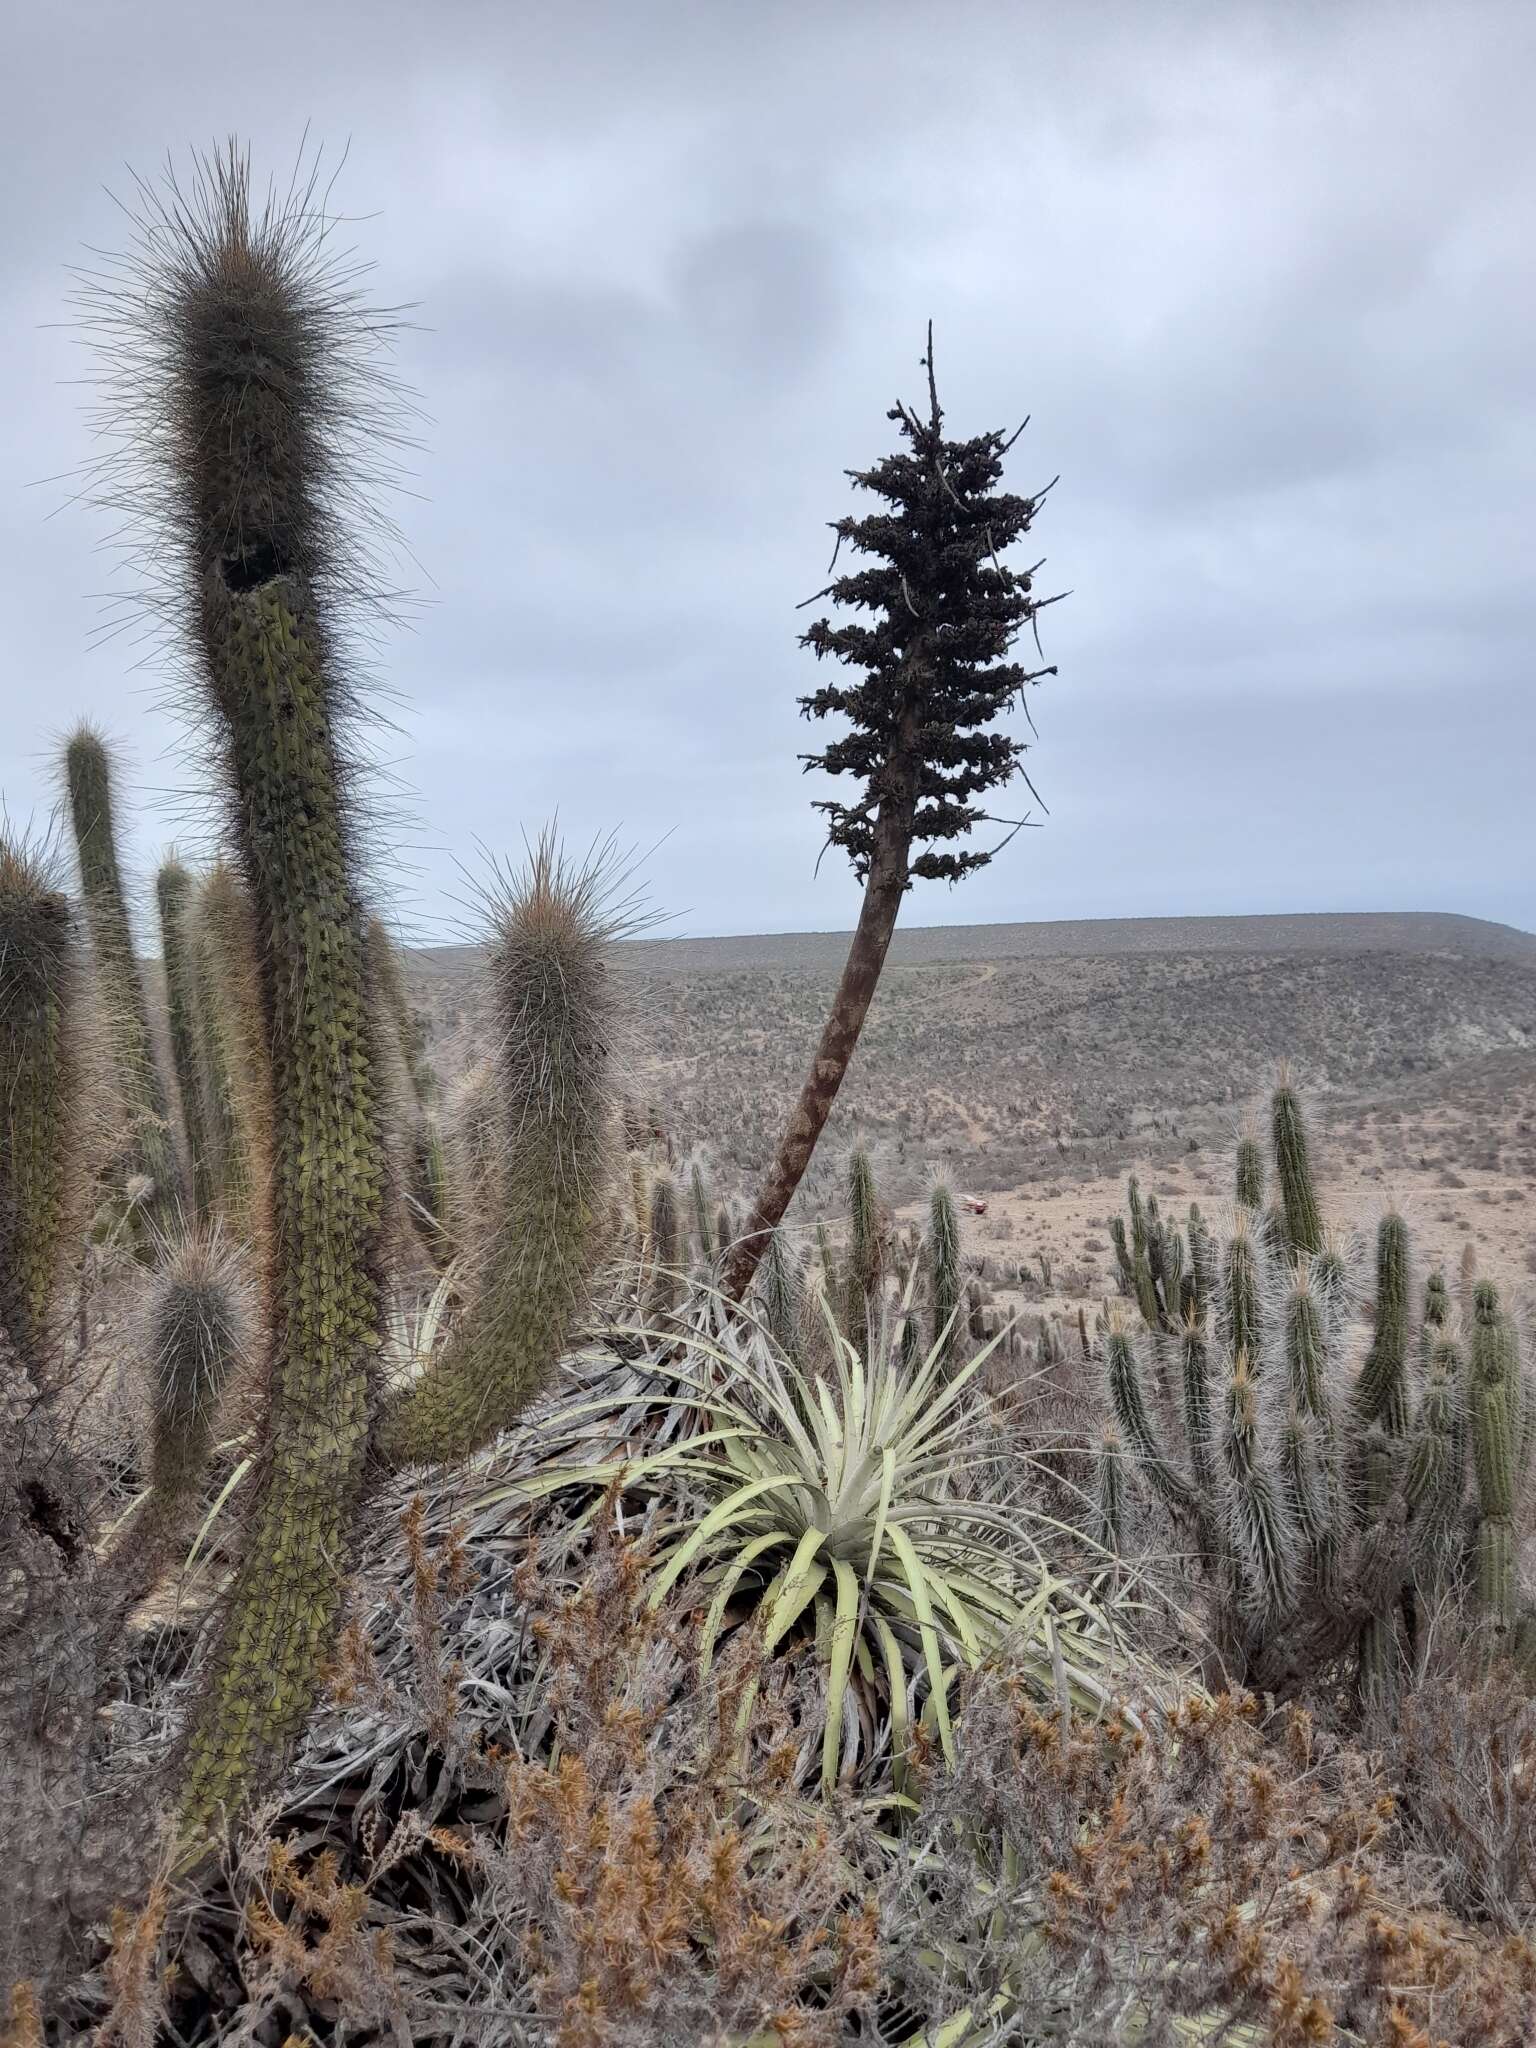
(1021, 1056)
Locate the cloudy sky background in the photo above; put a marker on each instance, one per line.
(1261, 274)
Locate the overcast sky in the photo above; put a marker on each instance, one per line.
(1261, 274)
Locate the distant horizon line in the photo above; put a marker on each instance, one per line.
(1040, 923)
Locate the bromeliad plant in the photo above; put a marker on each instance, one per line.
(849, 1509)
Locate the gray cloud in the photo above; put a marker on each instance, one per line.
(1259, 274)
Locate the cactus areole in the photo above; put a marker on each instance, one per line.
(941, 613)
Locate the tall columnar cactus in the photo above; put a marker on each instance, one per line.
(1248, 1189)
(40, 1097)
(1494, 1392)
(173, 897)
(1293, 1171)
(944, 1281)
(251, 367)
(148, 1152)
(555, 1005)
(1381, 1393)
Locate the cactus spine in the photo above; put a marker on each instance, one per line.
(1293, 1170)
(555, 1006)
(38, 1099)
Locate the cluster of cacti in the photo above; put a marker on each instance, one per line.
(306, 1111)
(1322, 1497)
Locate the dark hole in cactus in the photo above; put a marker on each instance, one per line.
(254, 566)
(51, 1518)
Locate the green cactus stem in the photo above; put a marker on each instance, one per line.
(666, 1238)
(1381, 1393)
(1111, 1493)
(1293, 1171)
(701, 1225)
(148, 1151)
(1306, 1349)
(1129, 1402)
(554, 1002)
(1261, 1528)
(777, 1292)
(1435, 1478)
(173, 897)
(1248, 1191)
(40, 1168)
(234, 1067)
(1241, 1320)
(944, 1271)
(863, 1275)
